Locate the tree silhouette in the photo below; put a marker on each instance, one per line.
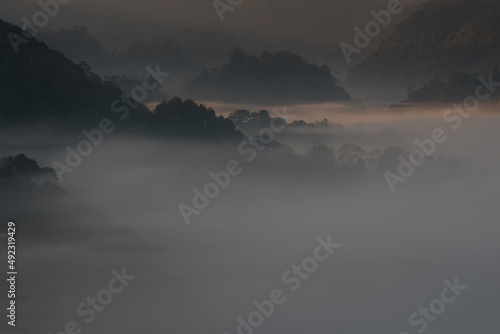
(272, 76)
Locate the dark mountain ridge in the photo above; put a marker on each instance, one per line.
(443, 39)
(38, 84)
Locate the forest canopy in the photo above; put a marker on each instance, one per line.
(272, 76)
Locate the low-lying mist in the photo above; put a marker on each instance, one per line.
(121, 209)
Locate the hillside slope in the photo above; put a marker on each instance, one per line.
(38, 84)
(443, 39)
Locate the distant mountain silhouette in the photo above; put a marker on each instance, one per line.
(40, 84)
(445, 38)
(272, 76)
(78, 45)
(454, 90)
(183, 53)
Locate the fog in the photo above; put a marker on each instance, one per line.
(121, 210)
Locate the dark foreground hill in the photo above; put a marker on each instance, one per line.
(38, 84)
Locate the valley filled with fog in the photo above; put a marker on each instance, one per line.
(250, 167)
(121, 209)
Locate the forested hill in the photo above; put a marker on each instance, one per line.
(443, 39)
(40, 84)
(272, 76)
(453, 90)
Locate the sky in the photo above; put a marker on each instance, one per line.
(120, 23)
